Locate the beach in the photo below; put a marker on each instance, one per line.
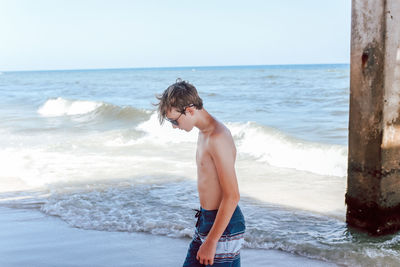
(29, 238)
(90, 178)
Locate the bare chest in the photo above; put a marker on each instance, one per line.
(207, 178)
(202, 156)
(204, 160)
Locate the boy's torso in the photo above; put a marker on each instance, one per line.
(210, 193)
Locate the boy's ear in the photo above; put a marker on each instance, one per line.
(191, 110)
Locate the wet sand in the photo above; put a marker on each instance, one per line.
(31, 238)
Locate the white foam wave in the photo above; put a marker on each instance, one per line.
(128, 208)
(277, 149)
(85, 157)
(164, 134)
(136, 208)
(61, 107)
(265, 144)
(92, 111)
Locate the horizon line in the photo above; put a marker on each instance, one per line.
(172, 67)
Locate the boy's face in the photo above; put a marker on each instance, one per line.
(184, 121)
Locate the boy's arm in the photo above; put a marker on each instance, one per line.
(223, 152)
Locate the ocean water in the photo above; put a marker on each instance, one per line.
(86, 146)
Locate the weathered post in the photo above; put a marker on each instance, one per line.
(373, 192)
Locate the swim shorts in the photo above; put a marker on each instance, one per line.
(229, 244)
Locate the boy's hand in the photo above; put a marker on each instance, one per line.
(206, 252)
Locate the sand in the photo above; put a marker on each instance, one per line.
(31, 238)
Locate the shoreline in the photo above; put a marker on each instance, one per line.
(32, 238)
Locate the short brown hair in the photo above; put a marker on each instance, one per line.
(179, 95)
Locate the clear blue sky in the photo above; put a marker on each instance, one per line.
(76, 34)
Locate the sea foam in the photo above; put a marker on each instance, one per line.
(61, 107)
(273, 147)
(166, 209)
(263, 143)
(92, 110)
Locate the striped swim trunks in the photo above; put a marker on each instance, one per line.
(229, 244)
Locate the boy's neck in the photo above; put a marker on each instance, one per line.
(205, 122)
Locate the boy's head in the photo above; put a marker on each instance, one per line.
(176, 101)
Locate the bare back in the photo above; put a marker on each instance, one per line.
(209, 187)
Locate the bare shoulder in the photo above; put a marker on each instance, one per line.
(221, 139)
(221, 132)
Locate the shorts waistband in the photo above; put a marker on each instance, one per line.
(211, 214)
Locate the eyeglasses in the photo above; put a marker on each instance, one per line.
(175, 121)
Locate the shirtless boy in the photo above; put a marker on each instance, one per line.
(220, 225)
